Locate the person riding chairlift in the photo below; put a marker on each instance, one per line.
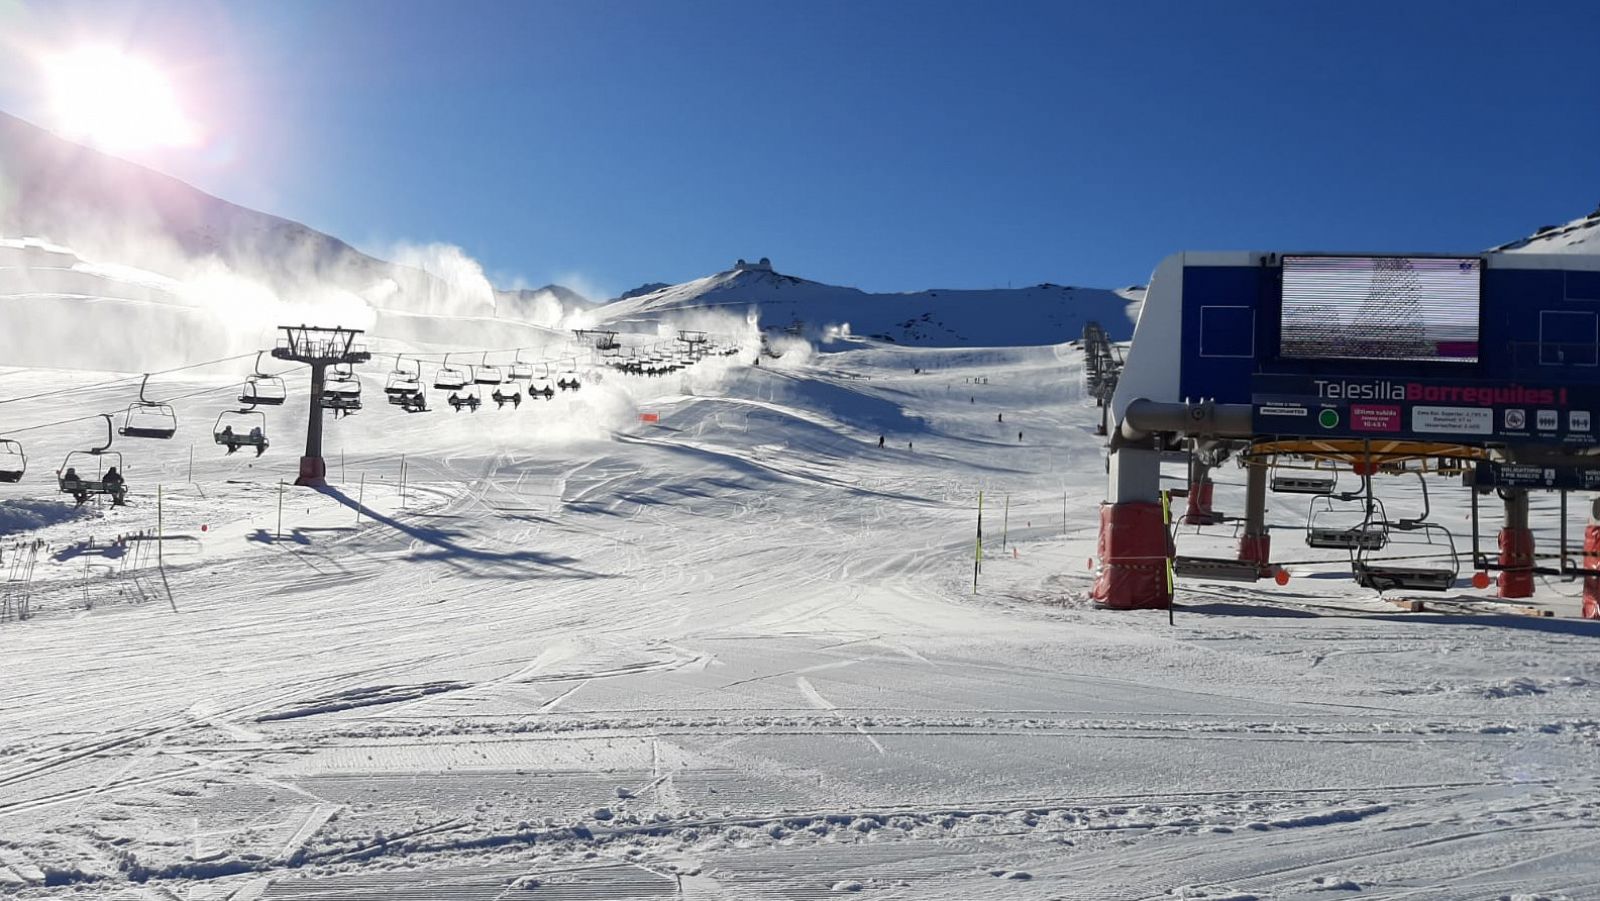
(259, 439)
(228, 439)
(115, 486)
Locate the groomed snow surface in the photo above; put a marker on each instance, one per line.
(737, 654)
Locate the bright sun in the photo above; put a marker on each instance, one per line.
(115, 101)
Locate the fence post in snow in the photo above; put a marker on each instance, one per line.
(361, 498)
(977, 554)
(279, 536)
(1005, 526)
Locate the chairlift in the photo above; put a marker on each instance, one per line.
(467, 398)
(263, 389)
(448, 379)
(520, 371)
(108, 480)
(402, 382)
(1298, 478)
(1381, 576)
(147, 418)
(506, 395)
(543, 384)
(567, 379)
(342, 393)
(1329, 528)
(487, 373)
(241, 428)
(414, 403)
(13, 462)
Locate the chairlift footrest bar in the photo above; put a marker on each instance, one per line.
(1298, 485)
(1220, 568)
(1346, 539)
(1390, 578)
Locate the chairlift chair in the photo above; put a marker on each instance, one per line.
(402, 382)
(487, 373)
(1382, 576)
(147, 418)
(506, 395)
(241, 428)
(415, 403)
(72, 482)
(543, 384)
(466, 399)
(342, 393)
(449, 379)
(263, 389)
(1327, 528)
(1297, 478)
(567, 380)
(13, 462)
(520, 371)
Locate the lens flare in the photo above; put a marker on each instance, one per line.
(115, 101)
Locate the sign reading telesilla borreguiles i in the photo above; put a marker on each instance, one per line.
(1425, 410)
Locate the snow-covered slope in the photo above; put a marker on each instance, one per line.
(1581, 235)
(737, 654)
(1040, 314)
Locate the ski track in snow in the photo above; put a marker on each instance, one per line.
(739, 655)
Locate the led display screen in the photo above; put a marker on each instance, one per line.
(1381, 308)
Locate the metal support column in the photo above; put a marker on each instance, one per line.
(1255, 546)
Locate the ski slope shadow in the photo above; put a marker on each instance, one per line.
(523, 563)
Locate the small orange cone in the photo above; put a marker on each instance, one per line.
(1281, 576)
(1480, 580)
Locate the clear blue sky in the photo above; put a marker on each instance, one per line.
(890, 145)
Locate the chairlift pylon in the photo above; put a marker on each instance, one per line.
(147, 418)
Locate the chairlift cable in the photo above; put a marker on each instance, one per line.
(129, 378)
(192, 394)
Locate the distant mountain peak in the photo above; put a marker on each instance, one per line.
(1039, 314)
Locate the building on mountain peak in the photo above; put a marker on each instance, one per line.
(762, 265)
